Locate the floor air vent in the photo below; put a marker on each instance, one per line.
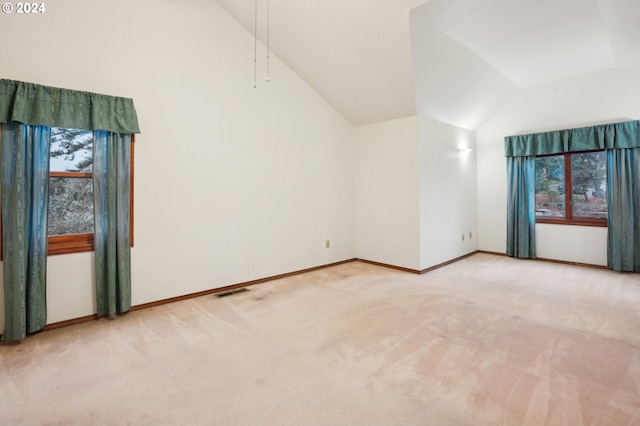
(231, 292)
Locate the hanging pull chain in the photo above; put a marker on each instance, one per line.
(267, 78)
(255, 44)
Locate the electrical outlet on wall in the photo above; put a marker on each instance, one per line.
(462, 237)
(327, 244)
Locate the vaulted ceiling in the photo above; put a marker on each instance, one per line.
(455, 61)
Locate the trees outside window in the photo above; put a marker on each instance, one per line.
(70, 183)
(589, 178)
(550, 194)
(70, 218)
(572, 189)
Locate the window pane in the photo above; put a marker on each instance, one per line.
(589, 182)
(550, 186)
(71, 150)
(70, 206)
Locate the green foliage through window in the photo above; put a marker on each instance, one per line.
(572, 186)
(550, 195)
(589, 179)
(70, 184)
(70, 206)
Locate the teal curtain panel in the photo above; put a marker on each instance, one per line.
(623, 188)
(34, 104)
(27, 113)
(605, 136)
(521, 219)
(622, 144)
(25, 194)
(111, 183)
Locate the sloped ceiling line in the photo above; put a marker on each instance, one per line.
(452, 60)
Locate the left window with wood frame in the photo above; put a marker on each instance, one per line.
(70, 218)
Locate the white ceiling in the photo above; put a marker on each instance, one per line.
(453, 60)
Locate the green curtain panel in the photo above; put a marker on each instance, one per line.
(27, 112)
(521, 219)
(25, 193)
(111, 183)
(34, 104)
(623, 191)
(605, 136)
(622, 143)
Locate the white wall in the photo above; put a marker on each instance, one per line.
(597, 98)
(448, 192)
(415, 192)
(232, 183)
(387, 192)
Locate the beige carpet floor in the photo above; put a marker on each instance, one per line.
(488, 340)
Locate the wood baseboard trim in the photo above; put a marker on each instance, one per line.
(496, 253)
(94, 317)
(72, 321)
(386, 265)
(417, 271)
(448, 262)
(235, 286)
(544, 259)
(566, 262)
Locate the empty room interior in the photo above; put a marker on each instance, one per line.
(318, 212)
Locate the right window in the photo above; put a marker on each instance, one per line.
(572, 189)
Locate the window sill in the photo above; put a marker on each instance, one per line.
(583, 221)
(74, 243)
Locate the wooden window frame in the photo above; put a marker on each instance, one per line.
(70, 243)
(78, 243)
(568, 199)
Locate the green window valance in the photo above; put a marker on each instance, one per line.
(604, 136)
(34, 104)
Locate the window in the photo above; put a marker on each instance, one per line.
(572, 189)
(70, 211)
(70, 219)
